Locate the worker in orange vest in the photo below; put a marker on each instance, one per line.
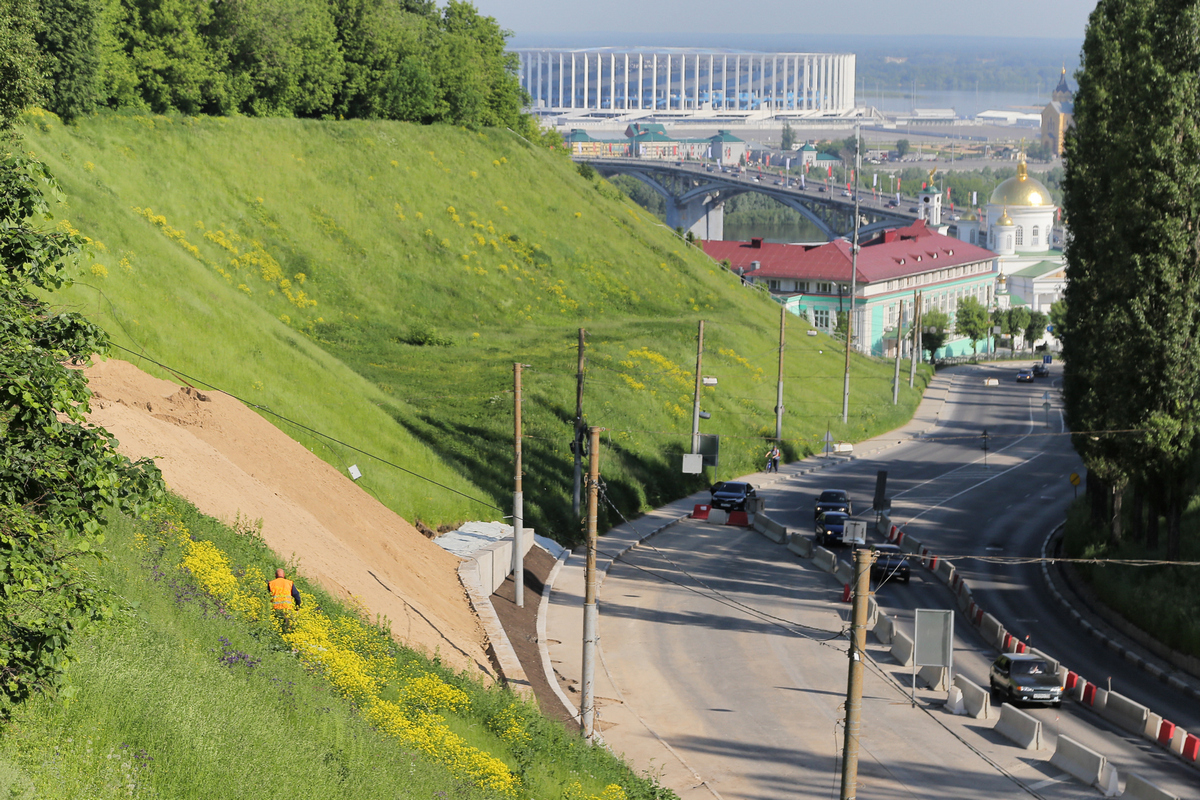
(285, 598)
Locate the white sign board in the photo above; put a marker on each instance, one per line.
(693, 463)
(855, 531)
(933, 638)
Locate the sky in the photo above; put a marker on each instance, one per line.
(708, 20)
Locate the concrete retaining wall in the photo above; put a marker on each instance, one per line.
(1124, 712)
(978, 701)
(902, 648)
(800, 545)
(495, 561)
(1080, 762)
(1141, 789)
(1020, 728)
(824, 559)
(934, 678)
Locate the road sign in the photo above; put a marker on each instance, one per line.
(854, 531)
(1074, 478)
(1046, 396)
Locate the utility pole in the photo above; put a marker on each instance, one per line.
(696, 397)
(899, 343)
(579, 431)
(779, 385)
(518, 559)
(854, 685)
(587, 708)
(918, 301)
(853, 277)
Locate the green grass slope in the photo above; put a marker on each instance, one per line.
(375, 281)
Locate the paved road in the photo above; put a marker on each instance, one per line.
(728, 652)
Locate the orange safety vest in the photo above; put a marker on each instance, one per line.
(281, 593)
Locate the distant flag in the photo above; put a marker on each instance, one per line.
(710, 151)
(974, 198)
(830, 175)
(875, 179)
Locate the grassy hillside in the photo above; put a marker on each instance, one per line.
(376, 281)
(190, 691)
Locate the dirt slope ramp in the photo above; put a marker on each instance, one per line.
(227, 460)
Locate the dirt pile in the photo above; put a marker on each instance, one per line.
(229, 461)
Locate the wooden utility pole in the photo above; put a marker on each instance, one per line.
(579, 431)
(587, 707)
(518, 559)
(696, 397)
(917, 343)
(854, 686)
(779, 385)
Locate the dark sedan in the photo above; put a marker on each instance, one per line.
(731, 495)
(891, 563)
(830, 528)
(1025, 376)
(1041, 371)
(1025, 677)
(832, 500)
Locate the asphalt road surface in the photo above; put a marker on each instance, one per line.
(734, 654)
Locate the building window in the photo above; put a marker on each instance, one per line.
(821, 318)
(1033, 240)
(824, 287)
(1020, 236)
(891, 317)
(773, 286)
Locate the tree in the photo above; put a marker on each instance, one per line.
(57, 475)
(1036, 328)
(935, 324)
(971, 320)
(1058, 319)
(787, 138)
(68, 36)
(1132, 312)
(20, 75)
(1018, 321)
(903, 147)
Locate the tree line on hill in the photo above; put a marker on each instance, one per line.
(365, 59)
(1132, 318)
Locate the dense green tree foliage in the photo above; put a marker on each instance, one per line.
(20, 77)
(935, 325)
(372, 59)
(971, 320)
(1133, 300)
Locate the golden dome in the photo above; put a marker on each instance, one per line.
(1021, 190)
(1005, 220)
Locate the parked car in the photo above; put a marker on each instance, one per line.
(1025, 376)
(1025, 677)
(891, 563)
(830, 527)
(833, 500)
(1041, 371)
(731, 495)
(892, 204)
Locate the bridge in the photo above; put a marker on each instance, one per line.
(695, 196)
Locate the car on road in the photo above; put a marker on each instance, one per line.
(731, 495)
(1025, 677)
(846, 193)
(1041, 371)
(830, 527)
(1025, 376)
(891, 563)
(892, 204)
(912, 209)
(833, 500)
(822, 189)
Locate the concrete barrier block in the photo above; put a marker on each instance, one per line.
(911, 545)
(945, 571)
(885, 629)
(1177, 740)
(976, 699)
(992, 631)
(872, 611)
(1141, 789)
(902, 648)
(800, 545)
(769, 528)
(1124, 712)
(844, 572)
(1100, 701)
(825, 559)
(1019, 728)
(934, 677)
(1082, 763)
(1150, 729)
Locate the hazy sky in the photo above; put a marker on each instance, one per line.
(1016, 18)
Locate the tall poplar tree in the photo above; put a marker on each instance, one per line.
(1132, 195)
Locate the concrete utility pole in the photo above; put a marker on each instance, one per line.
(853, 277)
(696, 398)
(899, 347)
(779, 385)
(587, 707)
(518, 559)
(854, 686)
(917, 344)
(579, 431)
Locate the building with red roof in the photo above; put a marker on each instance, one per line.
(813, 280)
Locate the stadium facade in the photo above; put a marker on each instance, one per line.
(687, 82)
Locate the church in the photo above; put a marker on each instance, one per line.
(1058, 115)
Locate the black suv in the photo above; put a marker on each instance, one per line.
(830, 528)
(1041, 371)
(832, 500)
(731, 495)
(1025, 677)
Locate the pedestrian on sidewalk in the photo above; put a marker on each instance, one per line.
(773, 459)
